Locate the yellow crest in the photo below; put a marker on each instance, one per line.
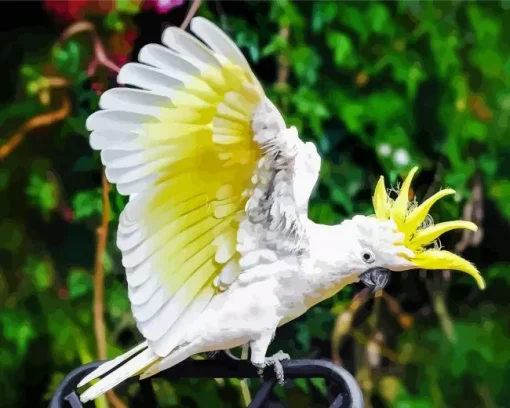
(411, 218)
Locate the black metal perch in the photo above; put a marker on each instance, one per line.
(227, 366)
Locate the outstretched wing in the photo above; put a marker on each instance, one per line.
(183, 147)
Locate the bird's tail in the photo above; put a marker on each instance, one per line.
(129, 364)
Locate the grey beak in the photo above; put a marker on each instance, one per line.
(375, 278)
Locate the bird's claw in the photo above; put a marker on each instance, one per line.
(275, 360)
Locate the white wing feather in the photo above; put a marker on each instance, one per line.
(198, 148)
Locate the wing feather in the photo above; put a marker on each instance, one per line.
(218, 41)
(176, 64)
(182, 146)
(188, 46)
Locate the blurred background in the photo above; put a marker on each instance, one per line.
(378, 86)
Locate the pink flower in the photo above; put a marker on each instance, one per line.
(163, 6)
(69, 11)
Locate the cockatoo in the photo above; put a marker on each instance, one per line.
(215, 239)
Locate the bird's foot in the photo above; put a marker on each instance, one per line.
(275, 360)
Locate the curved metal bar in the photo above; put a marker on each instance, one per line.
(262, 394)
(228, 366)
(69, 383)
(352, 396)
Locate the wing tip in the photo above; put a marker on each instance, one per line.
(199, 20)
(168, 36)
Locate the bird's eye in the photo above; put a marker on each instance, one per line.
(367, 256)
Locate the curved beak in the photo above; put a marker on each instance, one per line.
(375, 278)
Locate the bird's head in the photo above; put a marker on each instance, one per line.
(401, 235)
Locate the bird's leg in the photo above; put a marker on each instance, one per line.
(258, 356)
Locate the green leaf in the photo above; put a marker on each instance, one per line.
(131, 7)
(9, 228)
(489, 165)
(409, 73)
(386, 107)
(323, 213)
(309, 104)
(4, 178)
(353, 18)
(17, 328)
(487, 29)
(87, 203)
(320, 385)
(339, 196)
(85, 164)
(42, 191)
(108, 263)
(378, 18)
(277, 45)
(113, 21)
(244, 36)
(40, 271)
(79, 283)
(77, 124)
(63, 334)
(118, 302)
(66, 57)
(324, 12)
(475, 130)
(343, 50)
(60, 57)
(499, 271)
(286, 14)
(445, 49)
(303, 336)
(305, 62)
(489, 61)
(500, 192)
(353, 115)
(459, 177)
(412, 402)
(302, 383)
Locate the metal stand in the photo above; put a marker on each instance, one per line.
(225, 365)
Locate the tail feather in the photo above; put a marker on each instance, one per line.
(131, 368)
(174, 358)
(110, 365)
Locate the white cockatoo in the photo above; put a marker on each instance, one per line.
(217, 245)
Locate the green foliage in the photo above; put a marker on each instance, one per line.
(79, 283)
(379, 87)
(87, 203)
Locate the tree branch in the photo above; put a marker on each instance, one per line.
(405, 320)
(473, 211)
(195, 4)
(441, 310)
(102, 235)
(100, 57)
(44, 119)
(283, 60)
(384, 350)
(98, 310)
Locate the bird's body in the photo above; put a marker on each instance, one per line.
(216, 240)
(263, 299)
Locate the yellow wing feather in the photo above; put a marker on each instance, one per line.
(182, 147)
(197, 150)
